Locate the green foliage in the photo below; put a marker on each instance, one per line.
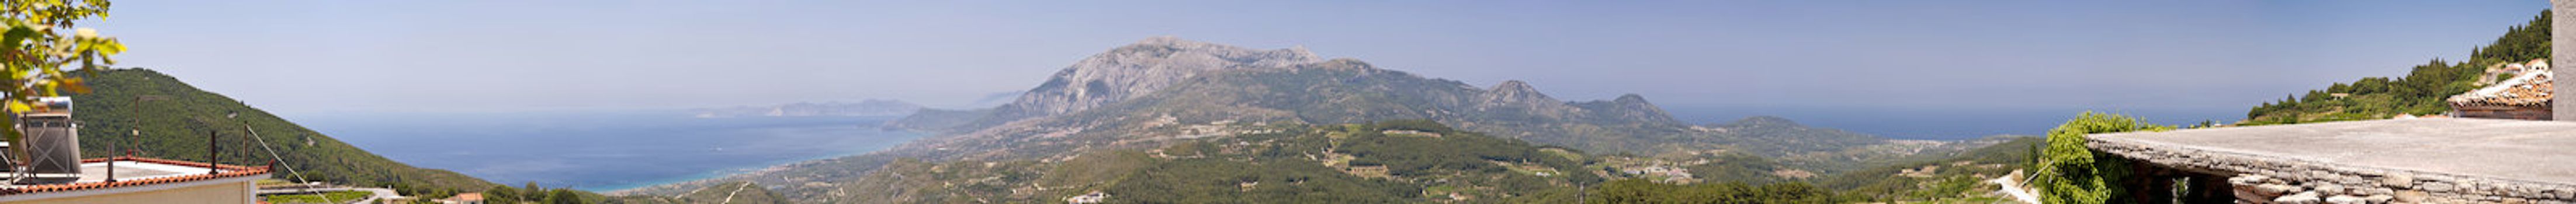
(1454, 151)
(564, 196)
(323, 197)
(501, 194)
(1394, 161)
(43, 49)
(1221, 181)
(1737, 167)
(1641, 191)
(1952, 182)
(533, 193)
(728, 192)
(2420, 92)
(2527, 41)
(2070, 173)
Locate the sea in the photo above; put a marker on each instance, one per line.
(603, 150)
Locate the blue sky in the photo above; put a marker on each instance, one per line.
(1708, 60)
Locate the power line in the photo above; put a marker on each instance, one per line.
(272, 153)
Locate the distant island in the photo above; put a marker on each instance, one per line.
(870, 107)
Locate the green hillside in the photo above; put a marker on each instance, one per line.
(728, 192)
(175, 119)
(1399, 161)
(1222, 105)
(2420, 92)
(1387, 162)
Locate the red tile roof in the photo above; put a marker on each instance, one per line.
(230, 171)
(2530, 90)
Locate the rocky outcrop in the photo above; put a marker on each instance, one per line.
(1630, 108)
(1134, 70)
(1519, 97)
(1515, 93)
(1121, 74)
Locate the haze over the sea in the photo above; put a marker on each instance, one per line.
(603, 150)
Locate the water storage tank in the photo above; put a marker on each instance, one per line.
(52, 141)
(52, 145)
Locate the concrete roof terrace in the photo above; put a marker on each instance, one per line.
(2451, 159)
(2531, 151)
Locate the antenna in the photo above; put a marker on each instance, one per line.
(213, 152)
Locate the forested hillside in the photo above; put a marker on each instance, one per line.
(1163, 92)
(1387, 162)
(2420, 92)
(1401, 161)
(175, 119)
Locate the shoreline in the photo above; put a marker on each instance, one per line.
(730, 172)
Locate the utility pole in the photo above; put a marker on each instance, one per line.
(213, 152)
(111, 160)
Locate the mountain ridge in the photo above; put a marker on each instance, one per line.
(1233, 98)
(180, 116)
(1131, 71)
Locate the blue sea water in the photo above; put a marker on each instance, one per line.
(602, 150)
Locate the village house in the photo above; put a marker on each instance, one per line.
(463, 198)
(2526, 96)
(44, 167)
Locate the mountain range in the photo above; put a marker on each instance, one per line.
(1164, 91)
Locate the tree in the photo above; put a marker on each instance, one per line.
(501, 194)
(40, 42)
(563, 196)
(2069, 173)
(534, 193)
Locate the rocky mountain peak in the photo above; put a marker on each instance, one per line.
(1631, 99)
(1136, 69)
(1518, 92)
(1631, 107)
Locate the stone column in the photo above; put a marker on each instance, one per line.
(2561, 28)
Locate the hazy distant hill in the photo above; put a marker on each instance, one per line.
(174, 119)
(871, 107)
(1211, 83)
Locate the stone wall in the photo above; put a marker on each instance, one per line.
(2267, 179)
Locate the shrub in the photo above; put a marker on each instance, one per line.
(2069, 173)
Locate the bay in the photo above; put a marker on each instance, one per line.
(602, 150)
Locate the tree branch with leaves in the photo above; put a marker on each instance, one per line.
(42, 48)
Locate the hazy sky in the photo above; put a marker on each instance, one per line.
(2205, 58)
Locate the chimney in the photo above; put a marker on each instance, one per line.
(2562, 104)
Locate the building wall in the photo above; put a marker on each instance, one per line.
(2516, 113)
(2562, 30)
(225, 192)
